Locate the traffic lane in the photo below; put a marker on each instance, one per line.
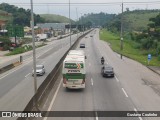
(24, 90)
(138, 81)
(11, 80)
(40, 79)
(109, 95)
(40, 55)
(74, 100)
(39, 50)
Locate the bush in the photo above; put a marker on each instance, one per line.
(6, 47)
(158, 57)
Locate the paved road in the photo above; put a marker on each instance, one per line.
(16, 85)
(5, 60)
(132, 89)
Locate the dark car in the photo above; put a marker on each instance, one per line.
(107, 71)
(82, 45)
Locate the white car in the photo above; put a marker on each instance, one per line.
(40, 70)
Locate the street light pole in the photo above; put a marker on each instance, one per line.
(77, 21)
(69, 24)
(122, 31)
(82, 23)
(34, 54)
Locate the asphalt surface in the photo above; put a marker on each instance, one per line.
(16, 85)
(132, 89)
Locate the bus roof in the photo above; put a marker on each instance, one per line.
(74, 58)
(76, 52)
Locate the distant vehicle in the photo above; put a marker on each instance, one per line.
(74, 70)
(82, 45)
(107, 71)
(91, 35)
(40, 70)
(40, 37)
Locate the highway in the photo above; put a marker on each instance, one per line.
(17, 86)
(134, 87)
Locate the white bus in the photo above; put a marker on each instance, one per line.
(74, 71)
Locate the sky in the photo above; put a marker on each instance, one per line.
(80, 7)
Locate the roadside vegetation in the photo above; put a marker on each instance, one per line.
(131, 48)
(141, 33)
(23, 49)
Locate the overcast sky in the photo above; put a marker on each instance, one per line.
(108, 6)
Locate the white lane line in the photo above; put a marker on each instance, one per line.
(27, 74)
(54, 97)
(124, 92)
(117, 79)
(92, 81)
(96, 116)
(136, 111)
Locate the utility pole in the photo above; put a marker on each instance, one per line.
(69, 24)
(82, 23)
(122, 31)
(34, 55)
(77, 21)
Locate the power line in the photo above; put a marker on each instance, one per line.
(97, 3)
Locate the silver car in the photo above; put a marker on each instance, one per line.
(40, 70)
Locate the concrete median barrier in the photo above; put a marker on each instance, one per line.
(9, 67)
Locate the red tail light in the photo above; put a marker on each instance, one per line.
(64, 80)
(83, 81)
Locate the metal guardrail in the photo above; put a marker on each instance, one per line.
(45, 88)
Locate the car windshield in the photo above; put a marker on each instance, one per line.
(38, 67)
(108, 68)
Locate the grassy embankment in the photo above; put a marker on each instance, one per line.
(129, 49)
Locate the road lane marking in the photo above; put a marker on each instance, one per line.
(96, 116)
(54, 97)
(27, 74)
(137, 112)
(117, 79)
(92, 81)
(124, 92)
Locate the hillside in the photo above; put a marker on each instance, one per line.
(96, 19)
(5, 15)
(134, 20)
(55, 18)
(139, 20)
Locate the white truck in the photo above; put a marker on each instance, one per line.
(41, 37)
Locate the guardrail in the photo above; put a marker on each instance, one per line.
(45, 88)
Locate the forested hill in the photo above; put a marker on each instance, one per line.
(137, 20)
(96, 19)
(20, 16)
(53, 18)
